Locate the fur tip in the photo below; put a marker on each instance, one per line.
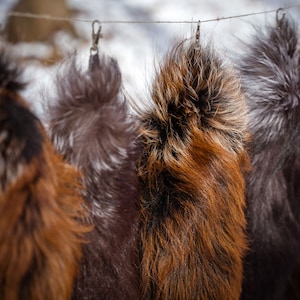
(90, 115)
(270, 78)
(195, 89)
(20, 130)
(10, 71)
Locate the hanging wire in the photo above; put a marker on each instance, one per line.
(55, 18)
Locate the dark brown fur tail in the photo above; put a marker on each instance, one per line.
(270, 70)
(91, 126)
(191, 175)
(40, 233)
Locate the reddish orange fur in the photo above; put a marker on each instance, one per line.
(191, 174)
(40, 229)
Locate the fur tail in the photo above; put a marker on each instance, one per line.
(191, 175)
(271, 80)
(39, 206)
(10, 76)
(91, 126)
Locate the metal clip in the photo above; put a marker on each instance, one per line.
(280, 19)
(96, 35)
(197, 37)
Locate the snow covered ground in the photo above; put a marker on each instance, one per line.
(138, 46)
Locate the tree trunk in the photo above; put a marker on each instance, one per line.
(25, 29)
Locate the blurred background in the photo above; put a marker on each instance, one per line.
(44, 44)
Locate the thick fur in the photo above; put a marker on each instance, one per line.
(90, 125)
(191, 175)
(40, 207)
(271, 81)
(292, 289)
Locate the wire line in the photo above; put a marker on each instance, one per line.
(56, 18)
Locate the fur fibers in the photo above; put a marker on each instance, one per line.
(91, 127)
(270, 71)
(292, 290)
(40, 207)
(191, 173)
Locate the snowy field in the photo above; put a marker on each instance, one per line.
(138, 46)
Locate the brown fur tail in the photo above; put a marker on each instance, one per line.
(39, 207)
(191, 176)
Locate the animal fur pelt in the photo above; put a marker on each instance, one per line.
(270, 73)
(191, 174)
(91, 126)
(292, 290)
(40, 207)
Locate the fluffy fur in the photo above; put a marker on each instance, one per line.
(40, 207)
(270, 76)
(191, 174)
(90, 125)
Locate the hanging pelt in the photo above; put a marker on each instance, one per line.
(40, 206)
(90, 125)
(292, 289)
(270, 72)
(191, 173)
